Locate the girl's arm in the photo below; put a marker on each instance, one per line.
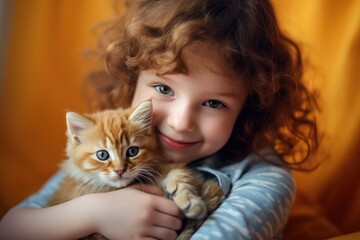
(65, 221)
(124, 214)
(258, 204)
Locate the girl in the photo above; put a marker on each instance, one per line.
(228, 97)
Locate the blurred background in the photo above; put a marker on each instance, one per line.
(42, 67)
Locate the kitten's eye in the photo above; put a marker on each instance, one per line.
(163, 89)
(102, 155)
(132, 151)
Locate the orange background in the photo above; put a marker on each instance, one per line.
(45, 66)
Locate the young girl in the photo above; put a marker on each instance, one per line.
(228, 97)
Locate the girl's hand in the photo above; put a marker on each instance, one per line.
(135, 213)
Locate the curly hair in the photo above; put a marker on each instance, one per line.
(279, 110)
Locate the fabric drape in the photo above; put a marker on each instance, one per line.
(45, 66)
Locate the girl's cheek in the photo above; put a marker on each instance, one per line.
(155, 114)
(155, 119)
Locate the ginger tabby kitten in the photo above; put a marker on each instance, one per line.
(111, 149)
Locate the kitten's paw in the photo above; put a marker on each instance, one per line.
(171, 190)
(192, 206)
(183, 195)
(179, 187)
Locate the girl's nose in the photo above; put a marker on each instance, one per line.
(182, 119)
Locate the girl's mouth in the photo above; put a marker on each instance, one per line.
(174, 143)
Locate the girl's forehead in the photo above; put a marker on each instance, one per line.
(204, 60)
(205, 57)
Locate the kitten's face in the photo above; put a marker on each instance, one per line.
(112, 148)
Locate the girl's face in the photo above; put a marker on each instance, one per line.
(194, 114)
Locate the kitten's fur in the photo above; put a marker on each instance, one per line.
(132, 154)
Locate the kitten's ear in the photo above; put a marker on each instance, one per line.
(142, 115)
(76, 123)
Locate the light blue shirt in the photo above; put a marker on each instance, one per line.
(259, 198)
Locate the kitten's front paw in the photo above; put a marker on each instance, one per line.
(192, 206)
(185, 197)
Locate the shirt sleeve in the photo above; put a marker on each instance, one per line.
(258, 204)
(41, 198)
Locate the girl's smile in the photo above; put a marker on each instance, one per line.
(176, 144)
(194, 114)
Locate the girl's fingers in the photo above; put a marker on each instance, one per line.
(169, 207)
(162, 233)
(163, 204)
(168, 221)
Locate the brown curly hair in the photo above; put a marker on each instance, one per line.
(279, 110)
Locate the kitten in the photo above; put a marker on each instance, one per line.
(111, 149)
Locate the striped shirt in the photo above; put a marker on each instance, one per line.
(259, 199)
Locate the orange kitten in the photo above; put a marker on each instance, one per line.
(110, 150)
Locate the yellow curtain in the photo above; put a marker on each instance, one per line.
(45, 67)
(328, 198)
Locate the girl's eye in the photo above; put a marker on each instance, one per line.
(132, 151)
(102, 155)
(214, 104)
(163, 89)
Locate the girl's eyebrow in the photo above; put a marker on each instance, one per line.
(231, 94)
(153, 76)
(227, 94)
(162, 77)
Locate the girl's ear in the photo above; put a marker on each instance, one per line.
(76, 124)
(142, 115)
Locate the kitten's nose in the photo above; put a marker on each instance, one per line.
(119, 172)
